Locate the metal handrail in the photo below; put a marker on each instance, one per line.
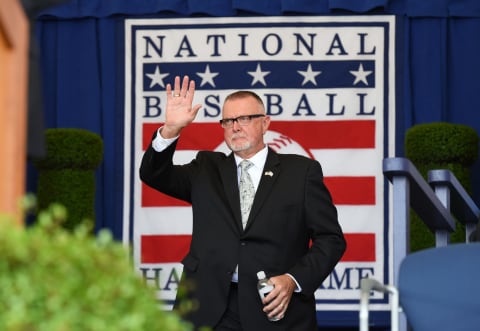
(434, 206)
(366, 286)
(455, 198)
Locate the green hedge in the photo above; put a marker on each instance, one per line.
(67, 173)
(53, 279)
(440, 145)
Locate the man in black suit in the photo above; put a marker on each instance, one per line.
(291, 231)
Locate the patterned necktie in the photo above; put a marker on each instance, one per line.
(247, 191)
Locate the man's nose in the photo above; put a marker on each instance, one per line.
(236, 126)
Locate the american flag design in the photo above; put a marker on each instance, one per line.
(327, 85)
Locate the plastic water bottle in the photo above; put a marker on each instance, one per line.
(264, 288)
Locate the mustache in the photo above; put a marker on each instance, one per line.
(238, 135)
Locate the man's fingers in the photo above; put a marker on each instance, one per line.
(183, 92)
(191, 91)
(278, 310)
(196, 108)
(168, 89)
(276, 303)
(176, 86)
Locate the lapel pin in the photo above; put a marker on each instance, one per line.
(269, 173)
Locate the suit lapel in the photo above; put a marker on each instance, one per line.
(228, 173)
(270, 173)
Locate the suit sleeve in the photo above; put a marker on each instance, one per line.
(157, 171)
(327, 240)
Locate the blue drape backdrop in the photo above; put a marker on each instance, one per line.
(81, 59)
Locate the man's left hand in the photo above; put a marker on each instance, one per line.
(276, 302)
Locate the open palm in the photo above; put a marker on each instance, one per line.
(179, 109)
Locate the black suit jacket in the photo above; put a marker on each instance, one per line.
(292, 228)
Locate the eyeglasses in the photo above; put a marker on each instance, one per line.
(241, 120)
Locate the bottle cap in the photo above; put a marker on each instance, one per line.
(261, 275)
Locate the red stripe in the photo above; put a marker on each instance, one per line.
(172, 248)
(153, 198)
(360, 247)
(344, 190)
(164, 248)
(352, 190)
(329, 134)
(147, 133)
(196, 136)
(309, 134)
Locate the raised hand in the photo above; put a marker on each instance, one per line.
(179, 111)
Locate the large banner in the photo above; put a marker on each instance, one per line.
(328, 84)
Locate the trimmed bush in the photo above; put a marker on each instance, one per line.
(440, 145)
(53, 279)
(67, 173)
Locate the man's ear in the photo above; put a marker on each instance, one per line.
(266, 123)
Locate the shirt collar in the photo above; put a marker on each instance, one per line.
(258, 159)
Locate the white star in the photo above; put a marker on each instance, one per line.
(207, 76)
(360, 75)
(258, 75)
(157, 77)
(309, 75)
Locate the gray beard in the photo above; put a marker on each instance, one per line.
(239, 147)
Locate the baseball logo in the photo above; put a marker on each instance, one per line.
(277, 141)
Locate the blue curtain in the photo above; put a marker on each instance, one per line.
(81, 50)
